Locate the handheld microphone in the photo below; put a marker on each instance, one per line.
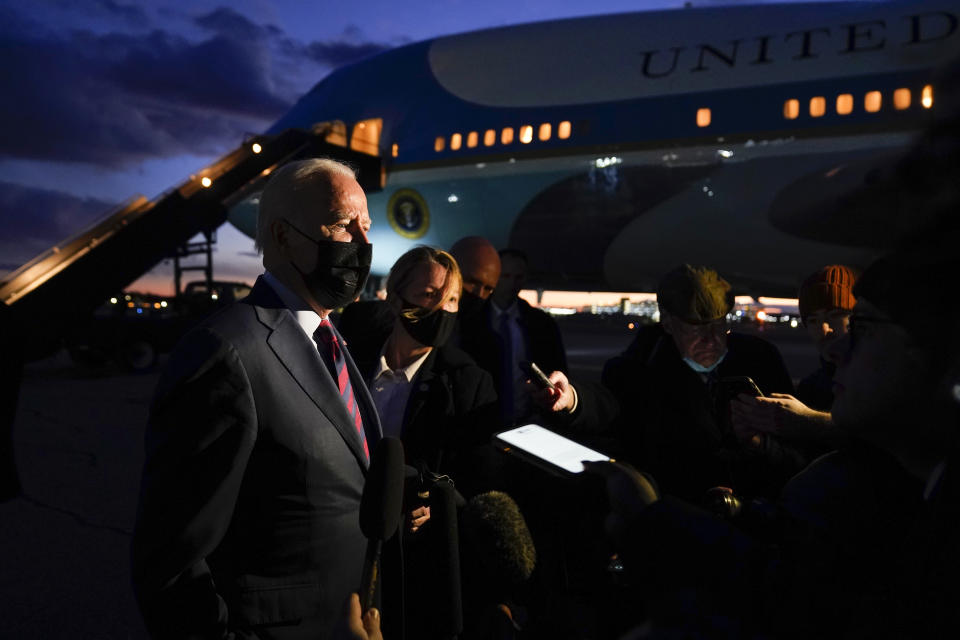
(447, 616)
(380, 510)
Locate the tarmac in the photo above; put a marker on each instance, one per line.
(78, 437)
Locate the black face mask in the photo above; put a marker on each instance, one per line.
(470, 304)
(341, 271)
(432, 329)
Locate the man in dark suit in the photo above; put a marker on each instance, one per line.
(505, 331)
(259, 436)
(674, 419)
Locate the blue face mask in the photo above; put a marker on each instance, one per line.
(699, 368)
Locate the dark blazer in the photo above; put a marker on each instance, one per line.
(672, 426)
(248, 520)
(451, 411)
(544, 343)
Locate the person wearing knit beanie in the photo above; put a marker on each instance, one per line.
(826, 300)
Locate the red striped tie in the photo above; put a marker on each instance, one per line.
(329, 348)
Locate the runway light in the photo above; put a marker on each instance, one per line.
(761, 316)
(794, 323)
(163, 304)
(113, 301)
(725, 153)
(130, 305)
(452, 197)
(630, 326)
(205, 181)
(256, 148)
(213, 296)
(126, 297)
(139, 310)
(156, 305)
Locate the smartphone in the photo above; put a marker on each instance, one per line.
(535, 374)
(547, 449)
(735, 385)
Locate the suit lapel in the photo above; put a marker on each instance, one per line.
(422, 387)
(300, 357)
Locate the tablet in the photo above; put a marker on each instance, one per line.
(549, 448)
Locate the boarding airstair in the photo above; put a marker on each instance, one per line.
(68, 281)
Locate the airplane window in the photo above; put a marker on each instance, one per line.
(366, 136)
(506, 136)
(703, 117)
(818, 106)
(455, 141)
(544, 131)
(472, 139)
(394, 150)
(791, 109)
(439, 143)
(901, 99)
(926, 97)
(872, 101)
(489, 138)
(336, 132)
(844, 104)
(526, 133)
(563, 130)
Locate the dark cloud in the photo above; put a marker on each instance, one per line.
(335, 54)
(120, 97)
(33, 220)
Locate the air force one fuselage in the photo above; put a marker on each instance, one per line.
(612, 148)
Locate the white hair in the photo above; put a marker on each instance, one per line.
(293, 191)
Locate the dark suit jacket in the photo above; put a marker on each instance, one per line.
(672, 427)
(451, 410)
(248, 521)
(542, 337)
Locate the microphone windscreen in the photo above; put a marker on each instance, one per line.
(495, 537)
(382, 500)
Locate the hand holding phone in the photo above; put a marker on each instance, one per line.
(536, 375)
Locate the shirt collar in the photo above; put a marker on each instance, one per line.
(408, 372)
(306, 317)
(511, 309)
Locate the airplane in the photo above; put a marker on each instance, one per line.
(612, 148)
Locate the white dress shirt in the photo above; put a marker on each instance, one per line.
(390, 389)
(306, 317)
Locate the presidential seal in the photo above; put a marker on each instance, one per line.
(408, 214)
